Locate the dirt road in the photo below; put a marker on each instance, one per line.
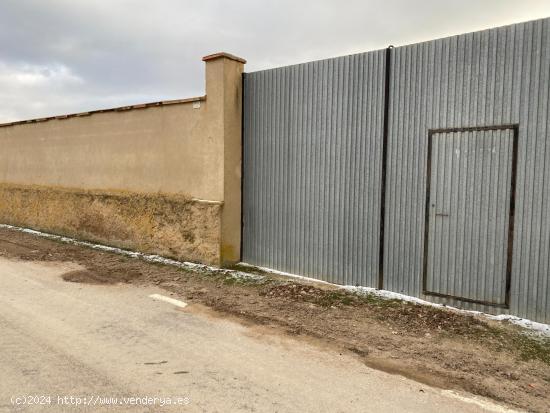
(438, 348)
(69, 339)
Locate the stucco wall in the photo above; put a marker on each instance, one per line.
(50, 169)
(164, 148)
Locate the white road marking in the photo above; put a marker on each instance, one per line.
(484, 404)
(172, 301)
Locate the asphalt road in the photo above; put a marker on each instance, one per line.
(98, 343)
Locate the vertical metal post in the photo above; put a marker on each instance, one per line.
(242, 163)
(387, 80)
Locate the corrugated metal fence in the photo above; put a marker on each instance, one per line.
(312, 156)
(463, 170)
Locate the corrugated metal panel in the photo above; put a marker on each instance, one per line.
(312, 158)
(312, 161)
(468, 214)
(497, 76)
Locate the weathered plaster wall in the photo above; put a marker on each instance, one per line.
(135, 176)
(165, 224)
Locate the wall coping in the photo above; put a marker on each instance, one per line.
(117, 109)
(225, 55)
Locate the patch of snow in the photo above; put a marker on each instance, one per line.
(532, 326)
(189, 266)
(540, 328)
(284, 274)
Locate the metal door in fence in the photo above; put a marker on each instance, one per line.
(470, 194)
(335, 170)
(494, 77)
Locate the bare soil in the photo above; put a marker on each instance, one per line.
(438, 347)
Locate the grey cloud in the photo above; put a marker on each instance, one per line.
(131, 51)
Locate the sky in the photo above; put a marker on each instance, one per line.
(67, 56)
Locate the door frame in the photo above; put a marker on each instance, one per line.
(431, 132)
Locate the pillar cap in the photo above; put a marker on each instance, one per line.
(225, 55)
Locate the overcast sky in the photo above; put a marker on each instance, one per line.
(65, 56)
